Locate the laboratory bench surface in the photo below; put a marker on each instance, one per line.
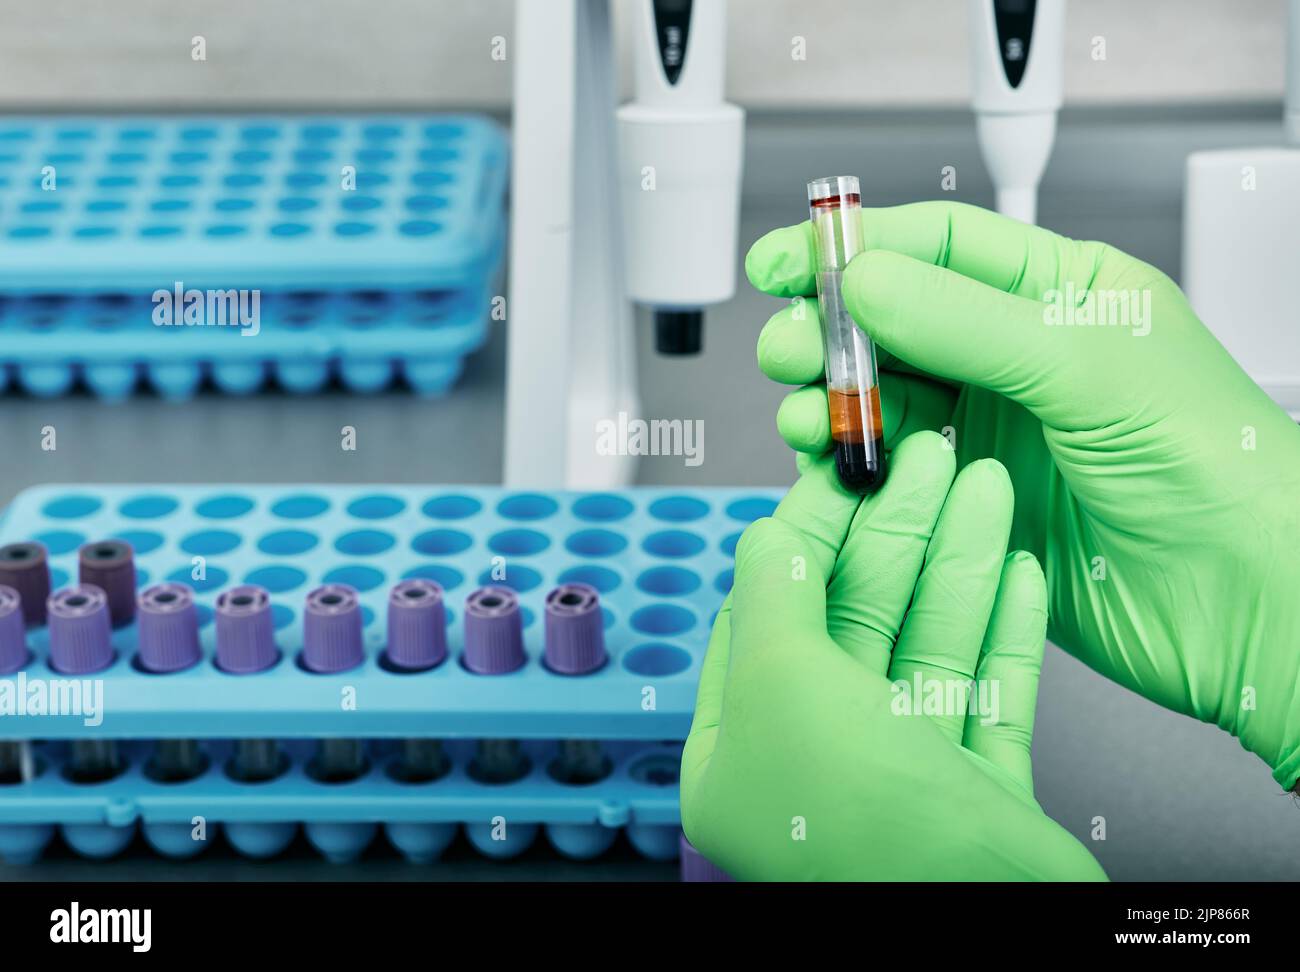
(1180, 800)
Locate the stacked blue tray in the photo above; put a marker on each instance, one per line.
(373, 244)
(661, 560)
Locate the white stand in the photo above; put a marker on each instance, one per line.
(570, 353)
(1240, 211)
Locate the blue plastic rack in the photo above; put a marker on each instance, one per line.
(661, 559)
(366, 339)
(637, 798)
(327, 216)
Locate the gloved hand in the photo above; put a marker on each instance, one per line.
(1155, 481)
(804, 761)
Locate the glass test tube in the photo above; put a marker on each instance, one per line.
(857, 425)
(177, 760)
(581, 761)
(256, 760)
(332, 642)
(494, 645)
(421, 760)
(94, 760)
(16, 762)
(245, 646)
(167, 638)
(417, 641)
(575, 646)
(500, 760)
(15, 754)
(340, 760)
(10, 762)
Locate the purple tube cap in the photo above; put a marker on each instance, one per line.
(110, 566)
(332, 630)
(575, 630)
(696, 868)
(168, 628)
(25, 567)
(13, 631)
(80, 630)
(245, 633)
(417, 625)
(494, 632)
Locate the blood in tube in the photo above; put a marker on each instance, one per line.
(857, 424)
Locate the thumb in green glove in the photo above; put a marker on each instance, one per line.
(812, 756)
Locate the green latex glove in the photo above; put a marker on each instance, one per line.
(1155, 481)
(801, 763)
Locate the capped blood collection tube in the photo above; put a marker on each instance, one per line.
(494, 645)
(857, 425)
(417, 641)
(167, 634)
(16, 764)
(575, 645)
(333, 642)
(80, 644)
(246, 646)
(25, 567)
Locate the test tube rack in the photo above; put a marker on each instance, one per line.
(373, 242)
(661, 560)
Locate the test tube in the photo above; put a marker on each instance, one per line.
(339, 760)
(13, 631)
(80, 645)
(16, 764)
(256, 760)
(332, 642)
(110, 566)
(245, 646)
(417, 641)
(25, 567)
(421, 760)
(177, 760)
(857, 426)
(94, 760)
(15, 754)
(499, 761)
(575, 645)
(167, 634)
(494, 645)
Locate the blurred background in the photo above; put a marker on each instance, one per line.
(884, 93)
(406, 53)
